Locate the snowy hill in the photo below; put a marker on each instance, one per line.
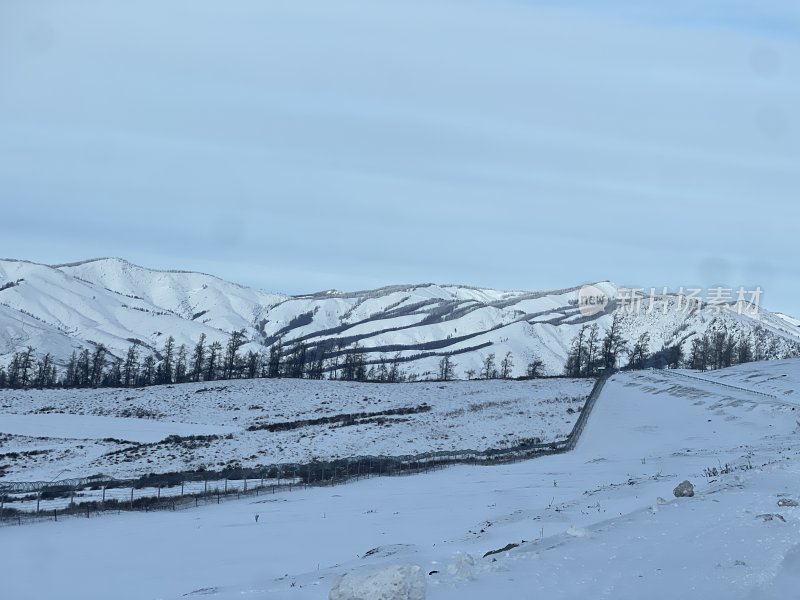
(110, 301)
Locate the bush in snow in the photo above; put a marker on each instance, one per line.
(395, 582)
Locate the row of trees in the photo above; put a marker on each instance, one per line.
(205, 361)
(721, 349)
(592, 351)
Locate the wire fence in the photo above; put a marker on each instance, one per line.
(716, 382)
(26, 502)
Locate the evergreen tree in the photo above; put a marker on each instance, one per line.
(275, 360)
(236, 340)
(13, 371)
(98, 365)
(147, 373)
(214, 353)
(198, 358)
(130, 368)
(296, 364)
(70, 373)
(252, 364)
(699, 353)
(166, 371)
(180, 364)
(675, 356)
(83, 371)
(113, 377)
(640, 352)
(44, 372)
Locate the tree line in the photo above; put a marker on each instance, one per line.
(205, 361)
(592, 351)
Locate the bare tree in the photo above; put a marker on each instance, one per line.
(446, 368)
(613, 343)
(489, 371)
(507, 366)
(534, 369)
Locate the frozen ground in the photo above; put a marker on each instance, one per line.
(589, 523)
(122, 433)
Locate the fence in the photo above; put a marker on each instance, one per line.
(23, 502)
(719, 383)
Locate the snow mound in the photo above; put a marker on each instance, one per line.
(394, 582)
(578, 532)
(787, 580)
(463, 569)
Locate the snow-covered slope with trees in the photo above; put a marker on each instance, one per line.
(60, 308)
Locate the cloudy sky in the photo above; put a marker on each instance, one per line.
(301, 145)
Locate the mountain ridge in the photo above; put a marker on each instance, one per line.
(111, 301)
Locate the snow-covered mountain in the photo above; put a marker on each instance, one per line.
(59, 308)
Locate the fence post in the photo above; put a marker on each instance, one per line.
(131, 497)
(182, 482)
(103, 504)
(38, 499)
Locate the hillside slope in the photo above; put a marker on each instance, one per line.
(113, 302)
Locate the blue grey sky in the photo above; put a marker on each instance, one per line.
(304, 145)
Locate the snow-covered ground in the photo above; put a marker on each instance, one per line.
(123, 432)
(779, 379)
(588, 523)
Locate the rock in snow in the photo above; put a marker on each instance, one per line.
(394, 582)
(684, 490)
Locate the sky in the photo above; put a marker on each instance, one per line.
(303, 145)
